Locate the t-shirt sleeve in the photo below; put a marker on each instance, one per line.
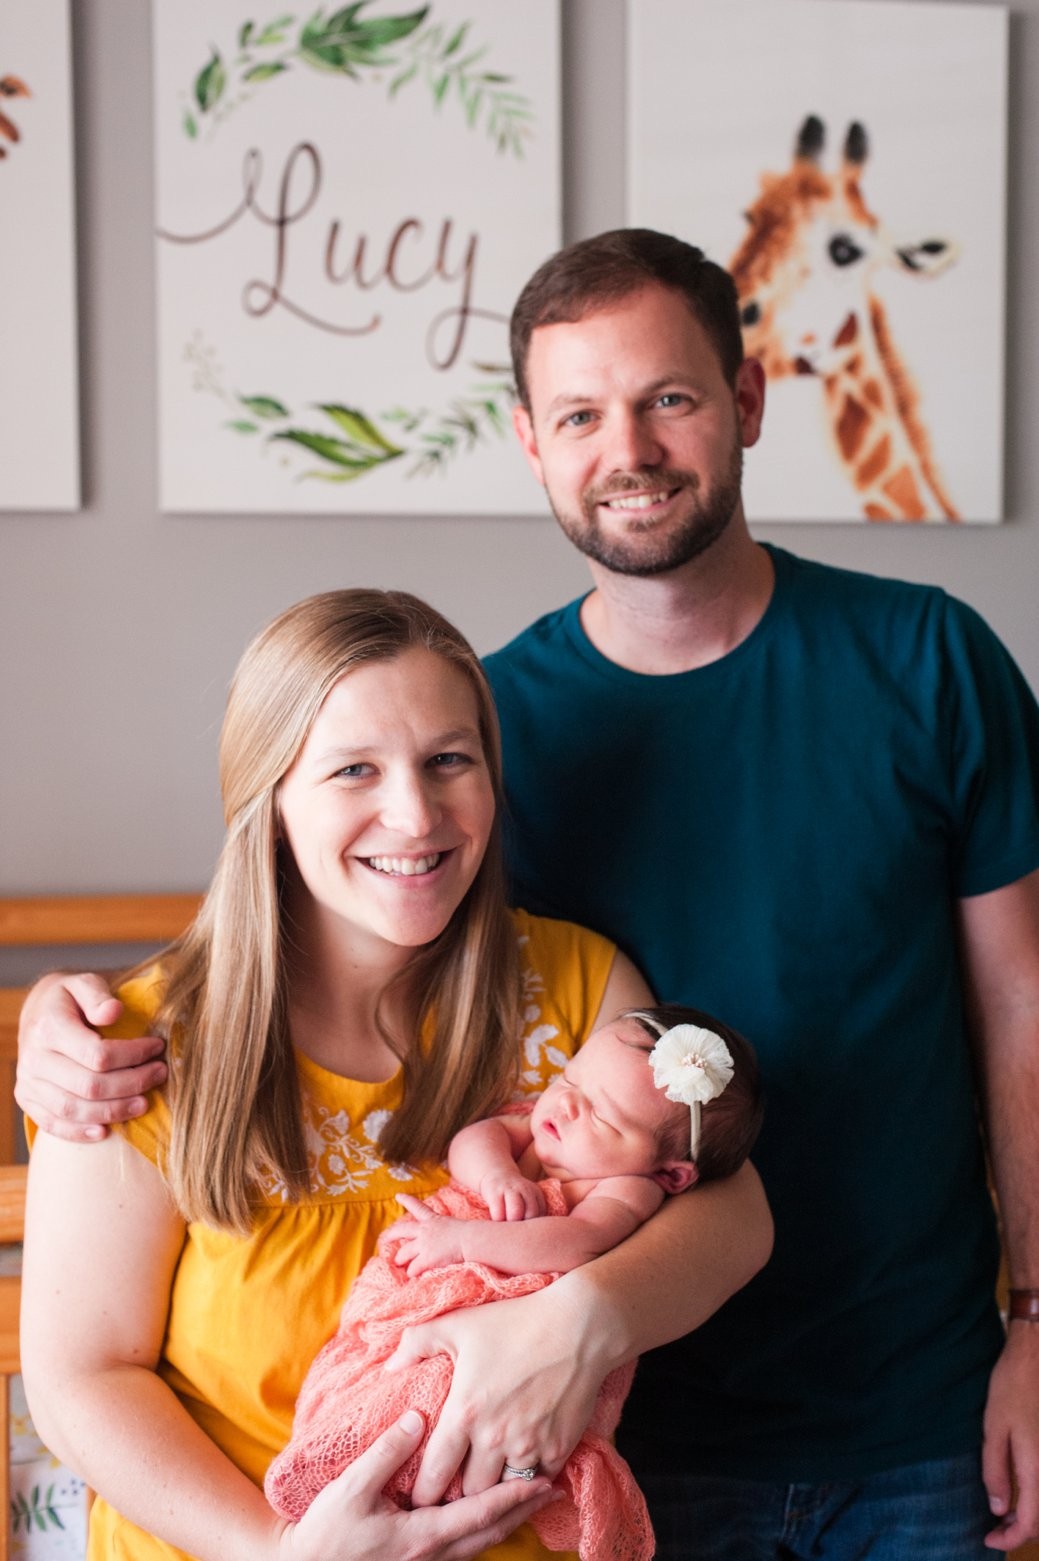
(992, 722)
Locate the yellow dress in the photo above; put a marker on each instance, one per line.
(248, 1314)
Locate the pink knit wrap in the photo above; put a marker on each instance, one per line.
(346, 1401)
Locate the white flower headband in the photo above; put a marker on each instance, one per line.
(691, 1065)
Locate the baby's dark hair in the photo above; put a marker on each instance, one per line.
(729, 1124)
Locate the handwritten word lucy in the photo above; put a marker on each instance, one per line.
(411, 260)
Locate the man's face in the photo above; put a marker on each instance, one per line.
(635, 433)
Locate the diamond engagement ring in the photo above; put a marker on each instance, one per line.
(510, 1473)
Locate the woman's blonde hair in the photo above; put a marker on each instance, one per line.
(233, 1090)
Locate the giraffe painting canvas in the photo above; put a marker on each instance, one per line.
(804, 273)
(846, 161)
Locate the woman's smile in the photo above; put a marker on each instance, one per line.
(407, 866)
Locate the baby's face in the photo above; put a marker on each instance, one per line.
(601, 1116)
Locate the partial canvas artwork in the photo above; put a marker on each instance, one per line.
(348, 200)
(39, 391)
(846, 161)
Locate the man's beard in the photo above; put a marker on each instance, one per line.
(655, 547)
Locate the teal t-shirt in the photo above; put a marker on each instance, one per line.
(780, 837)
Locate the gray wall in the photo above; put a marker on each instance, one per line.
(119, 627)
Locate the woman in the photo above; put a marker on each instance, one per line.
(349, 996)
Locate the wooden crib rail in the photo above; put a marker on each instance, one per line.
(74, 920)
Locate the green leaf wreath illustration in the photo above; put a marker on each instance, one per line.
(393, 50)
(349, 443)
(37, 1512)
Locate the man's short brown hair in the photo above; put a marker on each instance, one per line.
(597, 272)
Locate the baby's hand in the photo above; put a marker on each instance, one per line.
(510, 1196)
(425, 1241)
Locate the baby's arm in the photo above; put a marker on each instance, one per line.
(483, 1157)
(545, 1244)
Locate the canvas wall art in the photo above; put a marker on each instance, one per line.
(846, 160)
(39, 401)
(348, 201)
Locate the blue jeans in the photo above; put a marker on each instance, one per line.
(934, 1511)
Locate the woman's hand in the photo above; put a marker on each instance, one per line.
(71, 1082)
(524, 1386)
(352, 1520)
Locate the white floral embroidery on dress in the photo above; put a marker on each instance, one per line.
(342, 1156)
(535, 1036)
(372, 1127)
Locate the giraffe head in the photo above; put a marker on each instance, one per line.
(804, 269)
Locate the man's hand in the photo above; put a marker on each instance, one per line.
(1010, 1454)
(71, 1081)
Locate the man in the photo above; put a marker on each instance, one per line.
(788, 792)
(806, 800)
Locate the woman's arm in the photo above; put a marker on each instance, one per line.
(527, 1371)
(102, 1245)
